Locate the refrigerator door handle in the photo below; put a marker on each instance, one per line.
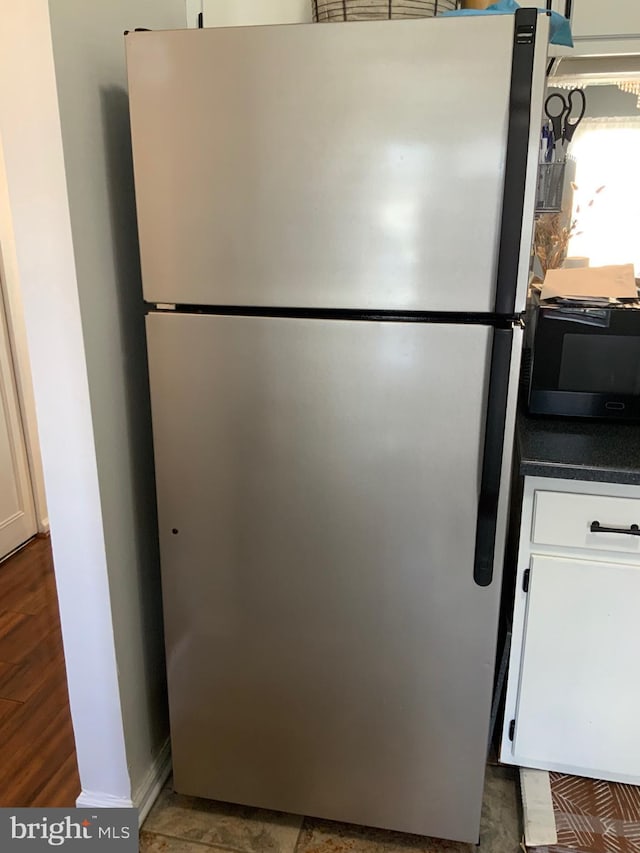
(515, 177)
(492, 456)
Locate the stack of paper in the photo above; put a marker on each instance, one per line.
(590, 284)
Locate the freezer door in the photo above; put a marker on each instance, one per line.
(329, 652)
(351, 166)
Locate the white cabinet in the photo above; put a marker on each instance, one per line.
(615, 18)
(574, 679)
(579, 653)
(235, 13)
(605, 28)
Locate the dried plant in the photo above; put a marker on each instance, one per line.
(552, 235)
(553, 232)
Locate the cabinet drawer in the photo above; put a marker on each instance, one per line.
(565, 519)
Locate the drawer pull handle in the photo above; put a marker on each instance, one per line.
(633, 530)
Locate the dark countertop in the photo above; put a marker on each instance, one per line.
(578, 449)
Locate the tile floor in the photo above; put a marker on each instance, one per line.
(179, 824)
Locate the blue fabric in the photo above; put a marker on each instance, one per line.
(560, 30)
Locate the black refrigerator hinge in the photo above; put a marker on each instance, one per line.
(512, 729)
(525, 33)
(525, 580)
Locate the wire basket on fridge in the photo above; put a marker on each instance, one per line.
(378, 10)
(550, 187)
(554, 186)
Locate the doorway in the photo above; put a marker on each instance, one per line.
(17, 509)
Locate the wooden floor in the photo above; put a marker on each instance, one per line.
(37, 750)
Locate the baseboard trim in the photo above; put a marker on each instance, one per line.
(145, 795)
(97, 800)
(44, 529)
(537, 807)
(149, 789)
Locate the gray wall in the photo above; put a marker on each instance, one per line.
(610, 101)
(606, 101)
(91, 80)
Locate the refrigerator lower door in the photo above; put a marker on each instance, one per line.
(329, 652)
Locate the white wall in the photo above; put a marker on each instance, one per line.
(64, 130)
(94, 111)
(31, 139)
(231, 13)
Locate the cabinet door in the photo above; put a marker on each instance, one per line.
(595, 19)
(235, 13)
(579, 688)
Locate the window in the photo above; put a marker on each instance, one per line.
(607, 152)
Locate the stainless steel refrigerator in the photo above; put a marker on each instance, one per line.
(335, 226)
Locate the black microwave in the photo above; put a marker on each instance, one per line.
(583, 361)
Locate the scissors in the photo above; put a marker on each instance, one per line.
(558, 110)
